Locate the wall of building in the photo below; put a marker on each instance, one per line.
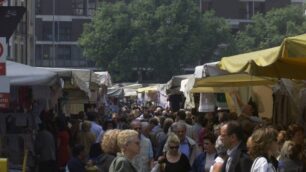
(21, 42)
(35, 42)
(57, 35)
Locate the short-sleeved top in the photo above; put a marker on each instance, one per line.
(182, 165)
(261, 164)
(142, 161)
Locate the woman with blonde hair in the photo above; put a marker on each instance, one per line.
(129, 145)
(109, 148)
(262, 149)
(291, 157)
(174, 160)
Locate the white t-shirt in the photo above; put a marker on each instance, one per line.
(261, 164)
(209, 161)
(217, 160)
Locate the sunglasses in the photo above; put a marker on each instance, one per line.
(173, 147)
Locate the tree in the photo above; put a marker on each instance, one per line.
(161, 36)
(268, 30)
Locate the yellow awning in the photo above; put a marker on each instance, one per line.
(285, 61)
(233, 80)
(226, 82)
(211, 89)
(147, 89)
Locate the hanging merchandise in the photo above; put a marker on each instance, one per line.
(221, 102)
(207, 102)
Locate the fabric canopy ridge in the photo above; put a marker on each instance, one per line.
(285, 61)
(226, 82)
(233, 80)
(147, 89)
(20, 74)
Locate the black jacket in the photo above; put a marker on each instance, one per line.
(104, 161)
(241, 162)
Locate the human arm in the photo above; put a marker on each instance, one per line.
(217, 167)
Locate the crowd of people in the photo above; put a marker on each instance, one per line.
(153, 139)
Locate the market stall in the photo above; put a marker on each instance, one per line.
(32, 90)
(175, 92)
(285, 61)
(82, 87)
(123, 93)
(210, 79)
(153, 93)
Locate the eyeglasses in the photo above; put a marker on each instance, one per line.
(173, 147)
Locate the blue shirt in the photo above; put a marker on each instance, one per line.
(97, 130)
(185, 148)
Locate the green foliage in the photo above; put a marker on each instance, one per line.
(162, 36)
(269, 30)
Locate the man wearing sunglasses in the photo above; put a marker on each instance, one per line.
(144, 160)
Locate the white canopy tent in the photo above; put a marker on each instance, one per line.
(209, 69)
(83, 78)
(123, 90)
(82, 86)
(20, 74)
(174, 84)
(211, 79)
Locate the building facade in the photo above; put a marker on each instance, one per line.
(21, 44)
(48, 33)
(239, 12)
(58, 25)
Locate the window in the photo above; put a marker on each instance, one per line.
(43, 55)
(47, 33)
(46, 52)
(78, 7)
(259, 7)
(63, 31)
(37, 7)
(206, 5)
(63, 52)
(91, 7)
(248, 9)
